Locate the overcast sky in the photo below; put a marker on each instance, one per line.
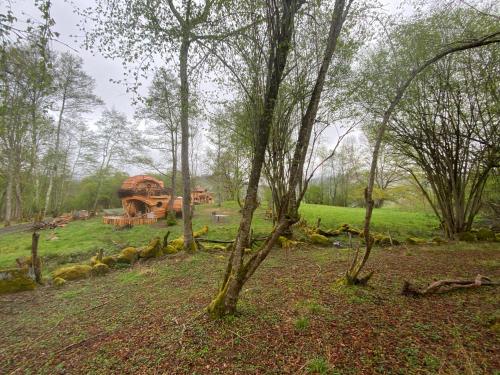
(97, 66)
(102, 69)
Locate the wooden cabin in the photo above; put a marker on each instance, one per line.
(146, 196)
(201, 195)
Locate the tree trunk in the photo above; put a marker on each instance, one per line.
(8, 199)
(237, 273)
(189, 244)
(36, 264)
(173, 177)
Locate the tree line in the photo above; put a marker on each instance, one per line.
(304, 77)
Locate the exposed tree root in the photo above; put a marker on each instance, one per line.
(444, 286)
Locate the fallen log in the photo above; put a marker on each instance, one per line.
(201, 239)
(445, 286)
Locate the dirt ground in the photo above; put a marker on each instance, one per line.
(294, 318)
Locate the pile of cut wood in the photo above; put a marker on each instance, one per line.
(57, 222)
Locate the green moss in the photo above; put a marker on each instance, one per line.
(334, 232)
(319, 239)
(415, 241)
(354, 231)
(93, 260)
(58, 282)
(467, 236)
(128, 255)
(496, 328)
(15, 280)
(485, 234)
(383, 240)
(177, 244)
(153, 249)
(110, 261)
(497, 237)
(169, 249)
(287, 243)
(201, 232)
(438, 240)
(100, 269)
(76, 272)
(215, 247)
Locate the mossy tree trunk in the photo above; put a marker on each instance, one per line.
(239, 272)
(281, 21)
(36, 264)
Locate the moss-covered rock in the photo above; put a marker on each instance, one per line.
(415, 241)
(58, 282)
(485, 234)
(100, 269)
(27, 262)
(200, 232)
(110, 261)
(467, 236)
(319, 239)
(15, 280)
(334, 232)
(169, 249)
(354, 231)
(178, 244)
(128, 255)
(76, 272)
(153, 249)
(438, 240)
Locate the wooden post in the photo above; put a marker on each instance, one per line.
(100, 254)
(35, 261)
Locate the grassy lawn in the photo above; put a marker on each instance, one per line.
(81, 239)
(294, 318)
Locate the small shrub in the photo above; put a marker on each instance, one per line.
(301, 324)
(467, 236)
(485, 234)
(318, 365)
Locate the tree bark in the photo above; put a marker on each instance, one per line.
(36, 264)
(189, 244)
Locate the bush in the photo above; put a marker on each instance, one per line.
(467, 236)
(485, 234)
(318, 365)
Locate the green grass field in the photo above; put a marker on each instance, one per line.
(81, 239)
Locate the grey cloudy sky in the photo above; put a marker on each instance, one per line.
(102, 69)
